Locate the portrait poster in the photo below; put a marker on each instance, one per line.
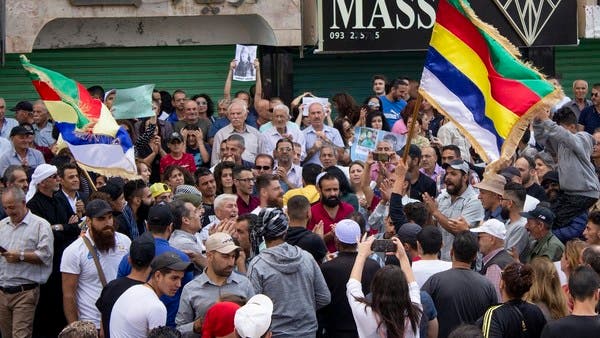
(244, 70)
(366, 139)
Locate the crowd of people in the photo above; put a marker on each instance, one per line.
(255, 220)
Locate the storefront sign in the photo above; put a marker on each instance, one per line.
(135, 3)
(386, 25)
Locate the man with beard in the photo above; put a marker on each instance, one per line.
(244, 180)
(139, 200)
(526, 167)
(44, 199)
(160, 225)
(419, 182)
(217, 279)
(24, 264)
(81, 283)
(289, 174)
(269, 191)
(551, 186)
(208, 187)
(491, 190)
(330, 209)
(513, 201)
(458, 201)
(592, 229)
(243, 238)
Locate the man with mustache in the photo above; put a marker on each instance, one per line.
(330, 209)
(458, 201)
(80, 278)
(216, 280)
(270, 194)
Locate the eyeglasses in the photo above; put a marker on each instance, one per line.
(246, 180)
(284, 150)
(262, 167)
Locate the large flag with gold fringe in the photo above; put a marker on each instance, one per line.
(473, 75)
(86, 125)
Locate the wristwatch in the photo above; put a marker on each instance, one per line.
(56, 227)
(22, 256)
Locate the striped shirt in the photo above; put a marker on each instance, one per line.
(32, 234)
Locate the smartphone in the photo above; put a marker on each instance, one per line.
(2, 250)
(381, 157)
(383, 245)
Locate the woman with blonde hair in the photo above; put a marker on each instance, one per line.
(546, 291)
(571, 259)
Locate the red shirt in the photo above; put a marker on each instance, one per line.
(186, 161)
(244, 208)
(320, 214)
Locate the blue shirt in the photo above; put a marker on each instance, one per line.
(34, 158)
(391, 110)
(224, 121)
(310, 136)
(589, 119)
(171, 303)
(7, 126)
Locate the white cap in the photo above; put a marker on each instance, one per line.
(492, 227)
(254, 319)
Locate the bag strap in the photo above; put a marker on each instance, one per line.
(94, 254)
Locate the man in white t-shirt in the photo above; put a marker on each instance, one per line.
(139, 309)
(80, 279)
(429, 244)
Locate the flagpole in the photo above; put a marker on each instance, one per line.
(87, 175)
(411, 128)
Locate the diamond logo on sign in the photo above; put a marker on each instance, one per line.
(528, 17)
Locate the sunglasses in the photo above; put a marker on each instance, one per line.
(262, 167)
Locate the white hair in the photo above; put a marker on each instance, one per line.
(239, 102)
(221, 199)
(282, 107)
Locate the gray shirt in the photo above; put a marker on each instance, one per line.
(199, 294)
(466, 205)
(32, 234)
(34, 158)
(517, 236)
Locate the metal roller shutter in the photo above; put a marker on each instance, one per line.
(579, 62)
(197, 69)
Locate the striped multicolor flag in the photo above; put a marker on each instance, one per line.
(87, 127)
(473, 75)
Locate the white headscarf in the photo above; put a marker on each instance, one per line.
(42, 172)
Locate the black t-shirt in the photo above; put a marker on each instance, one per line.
(514, 319)
(573, 326)
(460, 296)
(308, 241)
(337, 315)
(423, 184)
(209, 211)
(111, 292)
(537, 191)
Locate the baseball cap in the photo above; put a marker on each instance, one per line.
(550, 177)
(218, 321)
(492, 182)
(413, 151)
(171, 261)
(540, 212)
(23, 105)
(142, 249)
(458, 165)
(21, 130)
(175, 136)
(510, 172)
(220, 242)
(408, 232)
(347, 231)
(254, 319)
(158, 189)
(160, 214)
(492, 227)
(97, 208)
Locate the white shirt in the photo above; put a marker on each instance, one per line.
(530, 203)
(251, 137)
(270, 136)
(136, 312)
(78, 260)
(423, 269)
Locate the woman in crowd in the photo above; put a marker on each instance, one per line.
(395, 307)
(515, 317)
(195, 145)
(356, 170)
(346, 129)
(571, 258)
(345, 106)
(151, 145)
(544, 163)
(224, 178)
(175, 176)
(144, 171)
(206, 107)
(545, 290)
(419, 138)
(432, 116)
(377, 120)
